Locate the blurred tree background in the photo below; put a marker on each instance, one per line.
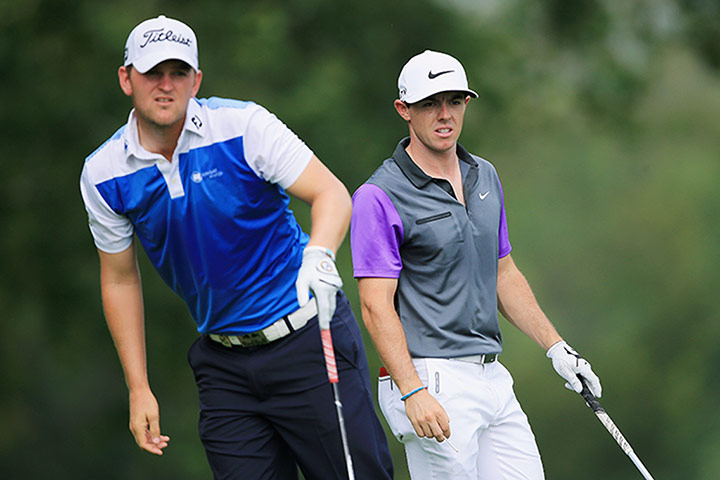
(602, 118)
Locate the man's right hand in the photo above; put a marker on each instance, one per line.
(427, 416)
(145, 422)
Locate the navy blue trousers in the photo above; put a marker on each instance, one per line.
(267, 410)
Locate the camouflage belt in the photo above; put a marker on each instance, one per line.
(281, 328)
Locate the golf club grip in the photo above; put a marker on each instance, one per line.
(329, 353)
(590, 399)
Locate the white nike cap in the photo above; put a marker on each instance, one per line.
(159, 39)
(429, 73)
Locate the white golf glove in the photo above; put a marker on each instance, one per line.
(319, 274)
(569, 364)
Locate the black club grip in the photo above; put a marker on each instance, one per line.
(590, 399)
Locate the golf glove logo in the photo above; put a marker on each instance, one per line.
(319, 274)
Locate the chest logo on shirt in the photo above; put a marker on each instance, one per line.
(483, 196)
(198, 177)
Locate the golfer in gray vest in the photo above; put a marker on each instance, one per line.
(431, 253)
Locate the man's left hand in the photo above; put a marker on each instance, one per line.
(319, 274)
(569, 364)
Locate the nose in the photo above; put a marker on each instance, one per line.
(444, 110)
(166, 82)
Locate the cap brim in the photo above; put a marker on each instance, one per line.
(147, 62)
(422, 96)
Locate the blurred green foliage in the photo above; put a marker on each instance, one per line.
(601, 117)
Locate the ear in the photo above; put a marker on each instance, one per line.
(124, 79)
(402, 109)
(198, 81)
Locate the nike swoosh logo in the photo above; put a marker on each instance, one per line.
(483, 195)
(432, 75)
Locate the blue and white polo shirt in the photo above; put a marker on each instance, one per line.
(215, 221)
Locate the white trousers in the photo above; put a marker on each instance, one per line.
(487, 424)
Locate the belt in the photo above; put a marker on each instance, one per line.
(282, 328)
(487, 358)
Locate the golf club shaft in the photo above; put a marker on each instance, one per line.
(607, 422)
(343, 432)
(333, 376)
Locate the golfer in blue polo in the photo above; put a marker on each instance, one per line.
(201, 184)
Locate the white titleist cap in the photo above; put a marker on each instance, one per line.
(429, 73)
(159, 39)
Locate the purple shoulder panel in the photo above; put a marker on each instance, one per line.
(503, 236)
(376, 233)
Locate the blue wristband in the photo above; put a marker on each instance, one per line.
(408, 395)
